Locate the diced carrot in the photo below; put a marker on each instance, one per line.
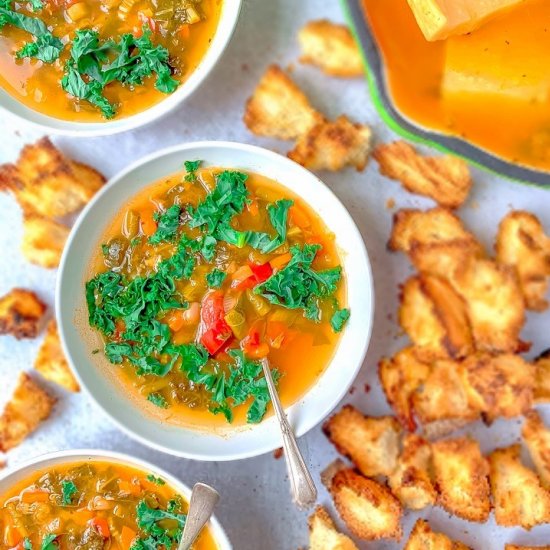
(280, 261)
(299, 217)
(28, 496)
(256, 352)
(129, 487)
(148, 224)
(176, 320)
(241, 275)
(101, 525)
(184, 31)
(11, 535)
(82, 516)
(253, 207)
(127, 537)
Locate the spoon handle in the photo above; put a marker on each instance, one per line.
(303, 488)
(203, 500)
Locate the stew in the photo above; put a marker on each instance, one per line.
(92, 60)
(202, 276)
(94, 506)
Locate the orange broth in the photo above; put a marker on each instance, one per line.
(501, 96)
(37, 84)
(101, 509)
(297, 347)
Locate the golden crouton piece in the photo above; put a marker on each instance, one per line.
(423, 538)
(494, 303)
(368, 508)
(461, 476)
(21, 312)
(519, 498)
(278, 108)
(427, 227)
(443, 398)
(330, 47)
(522, 244)
(48, 183)
(43, 241)
(435, 318)
(542, 378)
(323, 534)
(51, 363)
(400, 377)
(537, 438)
(29, 406)
(499, 385)
(445, 179)
(371, 443)
(411, 482)
(333, 146)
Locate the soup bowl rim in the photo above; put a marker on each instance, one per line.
(227, 24)
(45, 461)
(319, 400)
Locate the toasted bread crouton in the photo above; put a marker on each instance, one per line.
(29, 406)
(368, 508)
(400, 377)
(423, 538)
(330, 47)
(21, 313)
(537, 438)
(461, 476)
(426, 228)
(435, 318)
(542, 378)
(411, 482)
(445, 179)
(278, 108)
(518, 496)
(494, 303)
(333, 146)
(51, 363)
(43, 241)
(47, 183)
(323, 534)
(515, 547)
(522, 244)
(443, 397)
(371, 443)
(499, 385)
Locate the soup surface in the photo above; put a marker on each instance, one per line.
(203, 275)
(94, 505)
(490, 87)
(91, 60)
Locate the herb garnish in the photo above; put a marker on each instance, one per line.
(339, 319)
(191, 166)
(46, 46)
(215, 278)
(68, 490)
(156, 480)
(158, 400)
(94, 64)
(150, 521)
(298, 285)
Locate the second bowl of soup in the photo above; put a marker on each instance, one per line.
(192, 267)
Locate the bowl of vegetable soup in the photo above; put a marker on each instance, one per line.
(191, 267)
(104, 66)
(97, 500)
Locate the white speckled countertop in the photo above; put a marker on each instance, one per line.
(256, 509)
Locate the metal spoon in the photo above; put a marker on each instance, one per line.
(203, 500)
(303, 488)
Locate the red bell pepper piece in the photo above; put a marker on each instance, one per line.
(261, 272)
(217, 331)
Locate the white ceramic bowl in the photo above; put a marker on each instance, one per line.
(226, 25)
(72, 315)
(10, 477)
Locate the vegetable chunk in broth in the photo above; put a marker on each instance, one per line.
(201, 276)
(94, 506)
(93, 60)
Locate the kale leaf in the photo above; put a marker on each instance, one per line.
(68, 490)
(215, 278)
(158, 400)
(167, 225)
(339, 319)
